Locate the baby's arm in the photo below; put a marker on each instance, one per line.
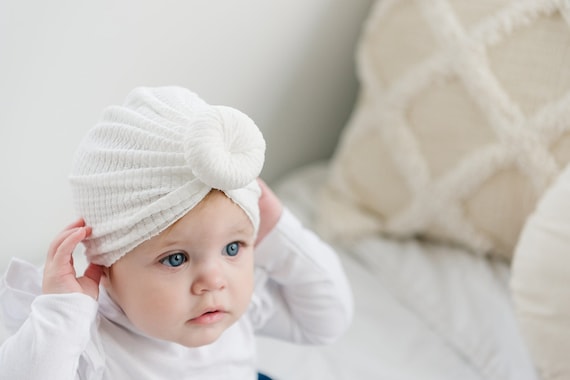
(50, 342)
(307, 288)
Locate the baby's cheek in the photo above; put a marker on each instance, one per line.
(150, 307)
(246, 290)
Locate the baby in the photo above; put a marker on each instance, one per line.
(190, 255)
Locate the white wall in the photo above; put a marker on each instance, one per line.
(286, 63)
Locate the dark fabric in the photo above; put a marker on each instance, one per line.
(261, 376)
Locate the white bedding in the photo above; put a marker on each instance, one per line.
(422, 311)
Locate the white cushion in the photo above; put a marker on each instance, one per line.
(541, 281)
(461, 125)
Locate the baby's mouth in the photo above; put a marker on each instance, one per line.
(208, 317)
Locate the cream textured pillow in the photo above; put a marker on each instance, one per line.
(462, 122)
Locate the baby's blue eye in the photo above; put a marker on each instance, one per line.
(174, 260)
(232, 249)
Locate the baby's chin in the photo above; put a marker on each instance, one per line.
(205, 339)
(198, 336)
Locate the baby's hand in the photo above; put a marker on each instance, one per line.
(59, 272)
(270, 209)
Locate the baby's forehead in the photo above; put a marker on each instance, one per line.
(216, 217)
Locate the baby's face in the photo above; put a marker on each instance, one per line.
(194, 280)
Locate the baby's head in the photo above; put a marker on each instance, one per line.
(168, 185)
(147, 163)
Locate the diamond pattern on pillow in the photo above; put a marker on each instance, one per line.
(462, 122)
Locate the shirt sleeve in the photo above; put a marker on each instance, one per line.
(302, 294)
(50, 342)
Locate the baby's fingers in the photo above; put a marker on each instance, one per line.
(59, 272)
(78, 223)
(63, 235)
(63, 252)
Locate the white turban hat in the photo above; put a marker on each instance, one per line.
(146, 163)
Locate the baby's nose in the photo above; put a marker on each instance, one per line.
(209, 277)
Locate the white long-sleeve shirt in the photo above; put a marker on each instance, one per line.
(301, 295)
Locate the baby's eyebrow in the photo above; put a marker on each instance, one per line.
(243, 228)
(158, 247)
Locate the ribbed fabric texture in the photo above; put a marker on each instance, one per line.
(146, 163)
